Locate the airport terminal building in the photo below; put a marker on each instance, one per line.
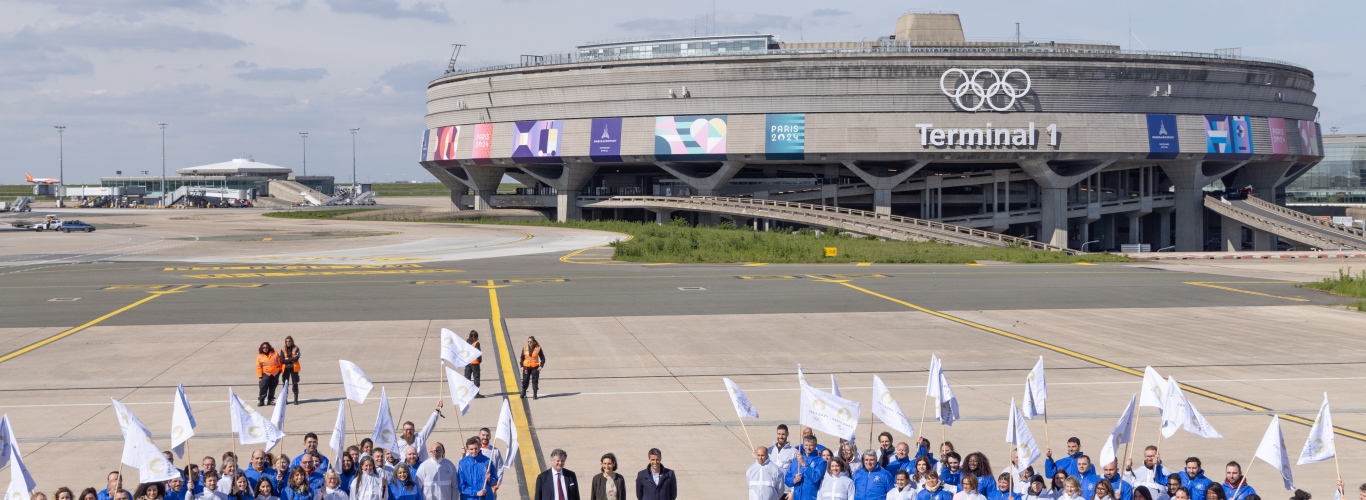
(1072, 144)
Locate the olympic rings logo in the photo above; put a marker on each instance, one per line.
(999, 86)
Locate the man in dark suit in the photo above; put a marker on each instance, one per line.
(656, 482)
(557, 483)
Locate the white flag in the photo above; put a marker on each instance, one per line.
(834, 387)
(887, 410)
(1319, 446)
(20, 481)
(138, 449)
(743, 408)
(932, 385)
(1154, 389)
(801, 377)
(1119, 435)
(507, 431)
(278, 418)
(338, 441)
(1272, 451)
(462, 390)
(456, 351)
(383, 436)
(1019, 437)
(829, 413)
(1173, 408)
(182, 421)
(9, 446)
(946, 405)
(354, 381)
(251, 427)
(1195, 423)
(1036, 391)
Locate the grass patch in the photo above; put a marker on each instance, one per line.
(427, 189)
(680, 243)
(9, 192)
(1346, 284)
(315, 214)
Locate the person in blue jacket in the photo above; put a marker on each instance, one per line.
(806, 472)
(404, 486)
(1087, 476)
(871, 481)
(1193, 479)
(951, 473)
(923, 450)
(901, 461)
(1002, 489)
(1235, 485)
(933, 489)
(1067, 463)
(1117, 482)
(475, 473)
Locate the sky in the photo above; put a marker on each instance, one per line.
(238, 78)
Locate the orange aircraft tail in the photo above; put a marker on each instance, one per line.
(28, 177)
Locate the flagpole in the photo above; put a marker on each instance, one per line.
(352, 415)
(923, 408)
(1133, 436)
(1244, 481)
(1046, 441)
(751, 441)
(1339, 468)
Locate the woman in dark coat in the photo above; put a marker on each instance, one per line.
(608, 485)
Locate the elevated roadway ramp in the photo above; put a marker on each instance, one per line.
(1283, 222)
(893, 227)
(296, 193)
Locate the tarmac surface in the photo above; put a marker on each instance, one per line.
(636, 352)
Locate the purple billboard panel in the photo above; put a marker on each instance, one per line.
(537, 142)
(604, 140)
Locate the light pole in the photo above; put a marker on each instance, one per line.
(353, 161)
(163, 163)
(61, 160)
(304, 135)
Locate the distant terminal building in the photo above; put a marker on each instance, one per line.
(1067, 143)
(1337, 181)
(237, 174)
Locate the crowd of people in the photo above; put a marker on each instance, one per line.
(811, 471)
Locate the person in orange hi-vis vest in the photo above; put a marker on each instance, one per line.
(472, 369)
(268, 368)
(533, 359)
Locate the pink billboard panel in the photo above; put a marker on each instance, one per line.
(1279, 145)
(483, 143)
(1309, 138)
(446, 140)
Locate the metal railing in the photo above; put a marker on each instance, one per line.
(1317, 238)
(829, 216)
(563, 58)
(1266, 205)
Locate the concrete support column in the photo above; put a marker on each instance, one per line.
(567, 181)
(1054, 181)
(1109, 225)
(1231, 235)
(484, 180)
(1053, 226)
(1164, 229)
(1134, 225)
(1190, 179)
(703, 186)
(663, 216)
(1263, 241)
(738, 221)
(882, 180)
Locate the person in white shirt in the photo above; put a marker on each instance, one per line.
(1071, 489)
(837, 484)
(438, 476)
(265, 490)
(1035, 490)
(225, 482)
(368, 483)
(211, 487)
(969, 489)
(905, 489)
(383, 468)
(764, 478)
(410, 436)
(332, 487)
(1150, 474)
(782, 453)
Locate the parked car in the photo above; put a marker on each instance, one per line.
(74, 225)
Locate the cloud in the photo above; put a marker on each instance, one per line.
(22, 66)
(244, 65)
(282, 74)
(108, 36)
(412, 76)
(132, 8)
(829, 13)
(391, 9)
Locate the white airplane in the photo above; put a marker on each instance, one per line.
(50, 180)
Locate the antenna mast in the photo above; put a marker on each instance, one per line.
(455, 54)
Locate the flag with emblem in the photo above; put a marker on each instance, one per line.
(250, 425)
(278, 418)
(834, 386)
(1154, 389)
(338, 441)
(20, 481)
(507, 431)
(182, 421)
(1020, 439)
(456, 351)
(1272, 451)
(354, 382)
(1319, 446)
(1193, 421)
(829, 413)
(383, 436)
(139, 450)
(1173, 408)
(462, 390)
(946, 404)
(743, 408)
(10, 454)
(1119, 435)
(888, 411)
(1036, 391)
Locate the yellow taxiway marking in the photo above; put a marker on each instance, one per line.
(975, 264)
(291, 268)
(756, 264)
(321, 273)
(265, 239)
(864, 264)
(1085, 264)
(531, 463)
(1249, 292)
(1094, 360)
(150, 297)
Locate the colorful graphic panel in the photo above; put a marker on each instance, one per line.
(426, 136)
(1228, 136)
(1309, 138)
(1280, 146)
(483, 143)
(604, 140)
(446, 140)
(1242, 134)
(785, 138)
(696, 137)
(538, 139)
(1163, 141)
